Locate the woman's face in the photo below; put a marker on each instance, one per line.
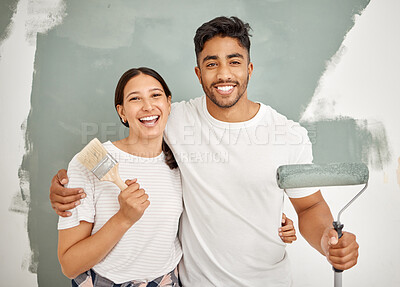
(145, 107)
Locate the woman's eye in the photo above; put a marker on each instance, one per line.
(156, 95)
(134, 99)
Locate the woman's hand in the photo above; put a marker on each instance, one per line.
(79, 250)
(133, 202)
(287, 232)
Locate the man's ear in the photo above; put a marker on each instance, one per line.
(169, 104)
(198, 73)
(250, 68)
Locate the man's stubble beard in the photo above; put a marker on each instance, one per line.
(210, 94)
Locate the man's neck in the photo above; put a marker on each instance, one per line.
(242, 111)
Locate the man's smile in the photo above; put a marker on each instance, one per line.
(225, 89)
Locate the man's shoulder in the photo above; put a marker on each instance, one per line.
(185, 110)
(187, 105)
(183, 113)
(273, 116)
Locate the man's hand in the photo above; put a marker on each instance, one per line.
(287, 232)
(61, 198)
(341, 254)
(315, 224)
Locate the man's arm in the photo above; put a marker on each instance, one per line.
(315, 224)
(61, 198)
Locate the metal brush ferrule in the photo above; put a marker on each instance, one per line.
(104, 166)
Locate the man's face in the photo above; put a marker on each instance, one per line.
(224, 71)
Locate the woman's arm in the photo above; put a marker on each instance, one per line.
(78, 250)
(287, 232)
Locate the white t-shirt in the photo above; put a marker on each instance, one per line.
(150, 248)
(233, 206)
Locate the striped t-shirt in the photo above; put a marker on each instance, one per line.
(150, 248)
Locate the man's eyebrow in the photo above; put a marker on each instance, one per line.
(206, 58)
(235, 55)
(230, 56)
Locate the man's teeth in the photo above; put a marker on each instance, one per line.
(149, 118)
(225, 88)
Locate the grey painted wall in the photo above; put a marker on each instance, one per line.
(7, 7)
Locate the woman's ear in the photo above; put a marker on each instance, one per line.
(121, 112)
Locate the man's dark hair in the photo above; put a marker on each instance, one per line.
(224, 27)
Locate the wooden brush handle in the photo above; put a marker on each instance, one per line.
(113, 176)
(118, 181)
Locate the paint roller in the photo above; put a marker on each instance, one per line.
(334, 174)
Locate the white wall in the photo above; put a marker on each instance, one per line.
(362, 82)
(17, 53)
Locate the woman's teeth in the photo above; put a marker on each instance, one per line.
(151, 118)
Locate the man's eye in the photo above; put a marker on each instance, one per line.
(211, 65)
(235, 62)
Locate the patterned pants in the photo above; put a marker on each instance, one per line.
(92, 279)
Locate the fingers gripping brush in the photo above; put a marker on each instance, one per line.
(96, 159)
(335, 174)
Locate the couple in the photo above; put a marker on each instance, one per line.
(228, 149)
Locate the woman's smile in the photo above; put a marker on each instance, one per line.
(149, 121)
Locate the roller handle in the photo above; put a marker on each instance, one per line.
(338, 227)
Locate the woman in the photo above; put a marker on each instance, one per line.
(120, 237)
(99, 235)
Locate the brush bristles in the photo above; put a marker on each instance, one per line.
(92, 154)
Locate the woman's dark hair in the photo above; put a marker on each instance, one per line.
(225, 27)
(119, 100)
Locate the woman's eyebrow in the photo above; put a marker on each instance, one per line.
(134, 92)
(150, 90)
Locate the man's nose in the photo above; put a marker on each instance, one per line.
(224, 73)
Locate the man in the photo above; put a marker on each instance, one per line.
(228, 149)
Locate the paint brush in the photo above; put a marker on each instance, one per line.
(96, 159)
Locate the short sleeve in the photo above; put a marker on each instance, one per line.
(175, 121)
(79, 177)
(181, 119)
(301, 154)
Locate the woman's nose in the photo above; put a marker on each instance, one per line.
(147, 105)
